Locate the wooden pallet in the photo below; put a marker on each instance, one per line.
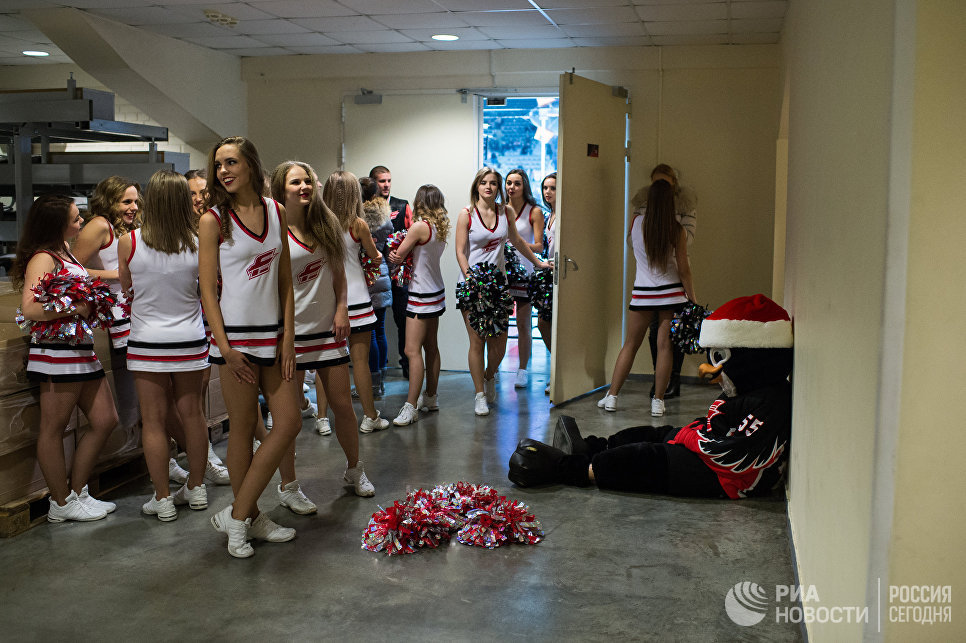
(17, 516)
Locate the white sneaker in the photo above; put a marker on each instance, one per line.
(373, 424)
(608, 403)
(480, 407)
(213, 457)
(322, 426)
(310, 411)
(407, 415)
(163, 509)
(489, 387)
(357, 478)
(73, 509)
(196, 498)
(264, 529)
(237, 531)
(310, 377)
(94, 503)
(291, 496)
(216, 474)
(522, 378)
(427, 402)
(305, 387)
(176, 473)
(657, 407)
(255, 445)
(269, 421)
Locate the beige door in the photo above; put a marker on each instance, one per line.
(591, 200)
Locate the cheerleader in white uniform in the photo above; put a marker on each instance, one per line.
(481, 231)
(322, 324)
(252, 330)
(426, 240)
(548, 188)
(343, 196)
(529, 224)
(662, 283)
(167, 350)
(69, 375)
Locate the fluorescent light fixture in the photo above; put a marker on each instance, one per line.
(38, 54)
(445, 36)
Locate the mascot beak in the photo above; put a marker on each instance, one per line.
(713, 373)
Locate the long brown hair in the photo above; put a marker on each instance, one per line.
(343, 196)
(661, 229)
(321, 224)
(430, 206)
(107, 194)
(217, 195)
(475, 188)
(43, 230)
(169, 222)
(527, 192)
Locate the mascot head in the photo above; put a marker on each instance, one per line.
(750, 339)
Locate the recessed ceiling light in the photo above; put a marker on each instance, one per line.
(39, 54)
(445, 36)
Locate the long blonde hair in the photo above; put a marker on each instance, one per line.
(107, 194)
(343, 196)
(169, 223)
(217, 195)
(430, 206)
(321, 224)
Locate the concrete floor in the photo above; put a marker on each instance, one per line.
(613, 566)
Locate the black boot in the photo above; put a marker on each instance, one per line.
(535, 463)
(566, 436)
(673, 387)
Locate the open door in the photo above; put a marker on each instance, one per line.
(589, 262)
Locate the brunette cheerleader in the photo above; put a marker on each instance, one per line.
(426, 240)
(481, 232)
(69, 374)
(252, 328)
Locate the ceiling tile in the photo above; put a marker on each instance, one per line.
(369, 37)
(17, 5)
(226, 42)
(424, 35)
(501, 18)
(420, 20)
(594, 31)
(758, 9)
(625, 41)
(13, 23)
(490, 5)
(464, 45)
(387, 7)
(303, 8)
(593, 16)
(138, 16)
(691, 39)
(298, 40)
(666, 12)
(277, 26)
(550, 43)
(752, 26)
(193, 30)
(259, 51)
(754, 38)
(340, 23)
(685, 27)
(645, 2)
(522, 33)
(33, 36)
(333, 49)
(394, 47)
(579, 4)
(238, 10)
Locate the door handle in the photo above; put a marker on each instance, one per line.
(561, 266)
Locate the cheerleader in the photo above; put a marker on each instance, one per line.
(197, 186)
(252, 330)
(482, 229)
(529, 223)
(317, 252)
(548, 188)
(114, 208)
(69, 375)
(662, 284)
(342, 195)
(426, 240)
(167, 350)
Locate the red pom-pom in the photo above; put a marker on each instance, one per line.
(401, 274)
(62, 292)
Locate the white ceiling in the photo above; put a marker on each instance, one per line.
(286, 27)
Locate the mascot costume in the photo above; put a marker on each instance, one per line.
(737, 450)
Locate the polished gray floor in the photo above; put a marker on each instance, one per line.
(613, 566)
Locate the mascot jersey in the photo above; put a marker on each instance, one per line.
(743, 439)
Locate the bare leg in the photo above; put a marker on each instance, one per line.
(495, 350)
(57, 401)
(359, 352)
(637, 323)
(286, 468)
(154, 395)
(97, 403)
(187, 398)
(415, 334)
(546, 328)
(334, 380)
(665, 356)
(474, 357)
(431, 349)
(524, 333)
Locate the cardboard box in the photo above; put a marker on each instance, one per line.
(19, 420)
(20, 473)
(126, 436)
(215, 408)
(13, 360)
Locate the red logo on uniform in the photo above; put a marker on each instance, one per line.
(310, 272)
(492, 245)
(261, 264)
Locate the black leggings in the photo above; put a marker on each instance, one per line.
(639, 460)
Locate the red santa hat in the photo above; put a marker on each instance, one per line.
(747, 322)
